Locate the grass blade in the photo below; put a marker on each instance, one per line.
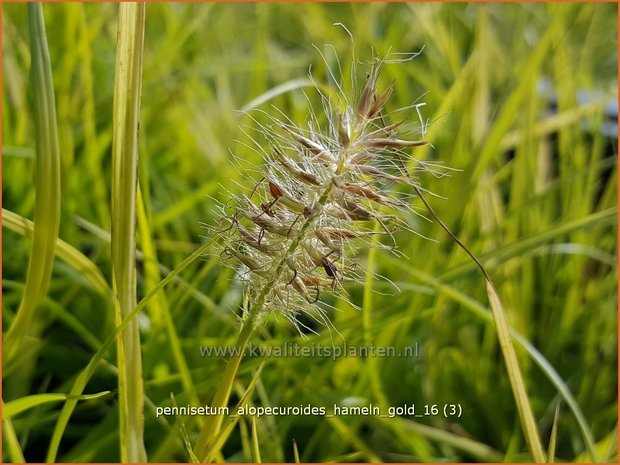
(127, 90)
(23, 404)
(524, 408)
(160, 306)
(224, 434)
(184, 435)
(204, 300)
(526, 415)
(67, 253)
(10, 441)
(47, 185)
(481, 452)
(87, 372)
(554, 435)
(209, 433)
(538, 358)
(255, 447)
(278, 90)
(528, 244)
(296, 452)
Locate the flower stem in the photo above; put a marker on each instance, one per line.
(213, 424)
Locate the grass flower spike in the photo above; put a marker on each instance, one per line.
(322, 193)
(293, 236)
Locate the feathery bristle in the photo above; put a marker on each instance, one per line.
(322, 195)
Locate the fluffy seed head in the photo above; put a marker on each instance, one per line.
(323, 195)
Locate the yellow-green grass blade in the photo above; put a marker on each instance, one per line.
(188, 443)
(213, 423)
(367, 315)
(103, 437)
(17, 406)
(60, 312)
(183, 431)
(87, 372)
(530, 429)
(296, 452)
(554, 435)
(548, 370)
(511, 107)
(255, 444)
(226, 431)
(200, 297)
(65, 252)
(47, 185)
(182, 205)
(606, 450)
(374, 363)
(282, 89)
(348, 434)
(516, 249)
(160, 305)
(556, 122)
(10, 441)
(481, 452)
(526, 414)
(244, 438)
(125, 121)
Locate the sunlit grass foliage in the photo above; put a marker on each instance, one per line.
(517, 105)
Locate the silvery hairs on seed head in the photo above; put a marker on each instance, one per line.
(325, 192)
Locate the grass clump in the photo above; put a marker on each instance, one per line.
(516, 99)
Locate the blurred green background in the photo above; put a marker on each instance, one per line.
(518, 97)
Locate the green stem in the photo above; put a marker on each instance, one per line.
(212, 426)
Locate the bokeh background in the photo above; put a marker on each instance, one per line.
(521, 102)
